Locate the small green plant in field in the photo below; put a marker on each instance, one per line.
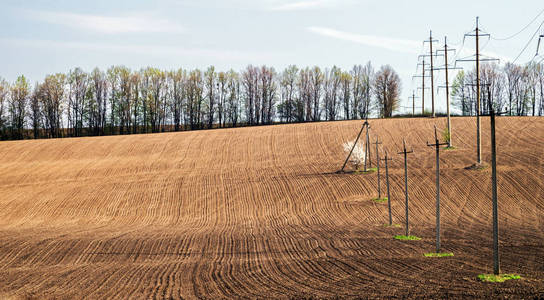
(449, 148)
(407, 238)
(446, 135)
(393, 225)
(380, 200)
(497, 278)
(368, 170)
(441, 254)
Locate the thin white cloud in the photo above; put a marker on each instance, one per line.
(140, 49)
(130, 23)
(300, 5)
(305, 4)
(393, 44)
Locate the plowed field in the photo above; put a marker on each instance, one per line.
(259, 213)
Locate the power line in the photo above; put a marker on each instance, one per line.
(529, 42)
(522, 30)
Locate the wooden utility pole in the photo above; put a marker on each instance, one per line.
(365, 124)
(432, 73)
(423, 76)
(447, 90)
(378, 167)
(478, 129)
(405, 152)
(423, 88)
(367, 148)
(496, 262)
(387, 183)
(437, 145)
(413, 103)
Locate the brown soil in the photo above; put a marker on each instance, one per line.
(260, 213)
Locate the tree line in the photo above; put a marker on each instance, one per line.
(124, 101)
(518, 89)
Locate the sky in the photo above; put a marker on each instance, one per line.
(43, 37)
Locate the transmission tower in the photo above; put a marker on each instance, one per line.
(446, 68)
(477, 33)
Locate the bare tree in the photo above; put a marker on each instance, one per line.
(316, 77)
(331, 86)
(194, 90)
(210, 79)
(221, 105)
(288, 93)
(36, 111)
(387, 90)
(250, 78)
(268, 91)
(176, 81)
(4, 91)
(97, 102)
(345, 93)
(20, 92)
(53, 99)
(304, 105)
(233, 100)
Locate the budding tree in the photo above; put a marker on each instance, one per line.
(387, 90)
(357, 157)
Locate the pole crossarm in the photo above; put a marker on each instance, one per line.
(449, 68)
(480, 34)
(404, 151)
(436, 143)
(473, 60)
(428, 55)
(481, 84)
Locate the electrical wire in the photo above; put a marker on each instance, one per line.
(529, 42)
(522, 30)
(459, 52)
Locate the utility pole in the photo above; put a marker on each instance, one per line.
(378, 167)
(422, 88)
(423, 76)
(365, 124)
(405, 152)
(478, 123)
(414, 103)
(437, 145)
(447, 89)
(387, 183)
(431, 54)
(367, 148)
(447, 68)
(432, 73)
(496, 262)
(478, 34)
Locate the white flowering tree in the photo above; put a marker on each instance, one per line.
(357, 157)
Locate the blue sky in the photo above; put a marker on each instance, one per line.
(43, 37)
